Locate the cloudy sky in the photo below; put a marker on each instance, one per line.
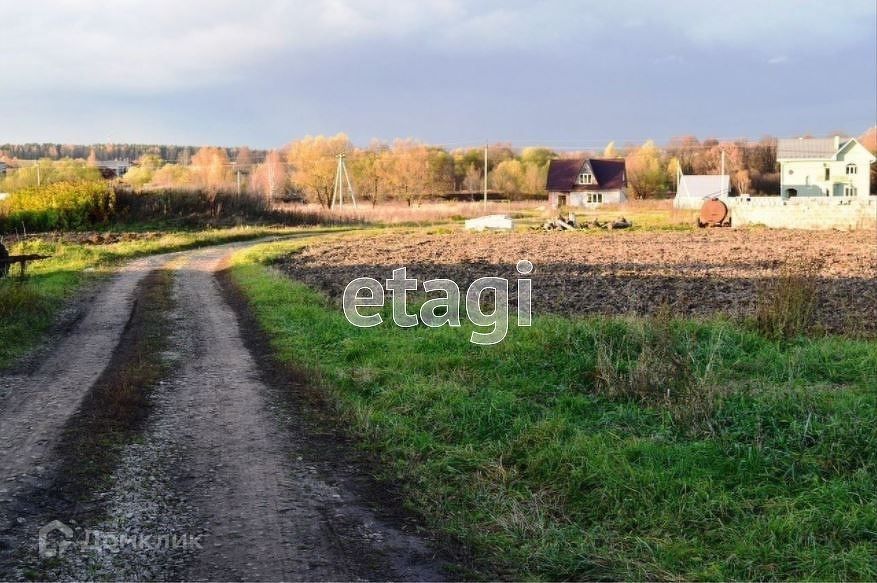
(563, 73)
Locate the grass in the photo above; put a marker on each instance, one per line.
(766, 469)
(28, 308)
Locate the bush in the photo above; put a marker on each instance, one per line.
(61, 205)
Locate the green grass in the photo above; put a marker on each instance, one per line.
(516, 450)
(29, 307)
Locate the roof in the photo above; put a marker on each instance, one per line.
(113, 164)
(809, 148)
(609, 173)
(563, 173)
(699, 186)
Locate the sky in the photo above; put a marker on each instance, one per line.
(570, 74)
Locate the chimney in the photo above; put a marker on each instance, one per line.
(836, 143)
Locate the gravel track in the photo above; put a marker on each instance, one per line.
(223, 456)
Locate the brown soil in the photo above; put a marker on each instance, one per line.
(698, 273)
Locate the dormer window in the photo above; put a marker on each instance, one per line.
(586, 178)
(852, 169)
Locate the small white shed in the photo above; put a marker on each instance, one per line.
(694, 189)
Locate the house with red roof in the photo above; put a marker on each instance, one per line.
(586, 182)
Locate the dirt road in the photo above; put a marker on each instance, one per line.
(227, 462)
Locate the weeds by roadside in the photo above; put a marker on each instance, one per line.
(652, 363)
(785, 305)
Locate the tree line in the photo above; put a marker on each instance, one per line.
(404, 169)
(131, 152)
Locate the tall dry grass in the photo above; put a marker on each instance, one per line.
(400, 213)
(785, 305)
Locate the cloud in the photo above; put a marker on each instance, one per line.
(778, 60)
(161, 46)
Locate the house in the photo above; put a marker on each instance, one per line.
(113, 168)
(693, 189)
(835, 166)
(586, 182)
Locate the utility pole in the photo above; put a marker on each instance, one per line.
(723, 173)
(342, 178)
(485, 176)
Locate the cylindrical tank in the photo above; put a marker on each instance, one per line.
(713, 213)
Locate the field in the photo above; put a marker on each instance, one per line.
(596, 446)
(699, 273)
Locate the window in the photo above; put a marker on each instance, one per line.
(849, 190)
(852, 169)
(595, 197)
(585, 178)
(828, 174)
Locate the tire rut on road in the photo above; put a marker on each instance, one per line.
(270, 514)
(219, 455)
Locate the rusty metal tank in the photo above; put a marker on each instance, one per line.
(714, 213)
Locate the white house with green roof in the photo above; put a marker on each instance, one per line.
(827, 167)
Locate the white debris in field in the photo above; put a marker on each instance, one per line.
(502, 222)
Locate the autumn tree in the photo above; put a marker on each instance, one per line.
(685, 149)
(143, 171)
(172, 175)
(210, 169)
(537, 156)
(473, 180)
(410, 176)
(507, 177)
(269, 178)
(646, 171)
(313, 163)
(244, 158)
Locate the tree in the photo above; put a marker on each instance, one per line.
(313, 163)
(685, 149)
(646, 172)
(92, 159)
(537, 156)
(269, 178)
(742, 181)
(172, 175)
(411, 176)
(508, 177)
(535, 178)
(244, 158)
(211, 169)
(869, 139)
(610, 151)
(473, 180)
(143, 172)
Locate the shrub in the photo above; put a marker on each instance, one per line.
(61, 205)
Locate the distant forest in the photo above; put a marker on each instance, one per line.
(131, 152)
